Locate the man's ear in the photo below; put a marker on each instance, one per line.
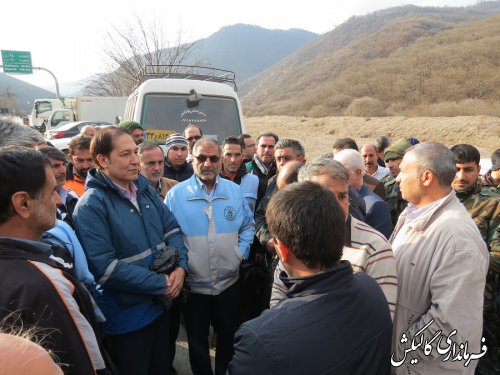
(22, 204)
(284, 251)
(102, 160)
(427, 177)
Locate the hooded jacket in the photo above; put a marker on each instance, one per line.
(120, 241)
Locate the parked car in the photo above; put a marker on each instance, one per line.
(61, 135)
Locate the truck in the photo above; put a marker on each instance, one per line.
(167, 98)
(42, 110)
(48, 113)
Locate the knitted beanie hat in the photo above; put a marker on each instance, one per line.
(397, 149)
(175, 139)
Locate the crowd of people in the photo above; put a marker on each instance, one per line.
(377, 259)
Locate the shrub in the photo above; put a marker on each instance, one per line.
(365, 107)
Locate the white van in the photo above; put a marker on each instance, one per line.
(170, 97)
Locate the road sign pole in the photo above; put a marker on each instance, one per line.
(55, 79)
(19, 62)
(58, 96)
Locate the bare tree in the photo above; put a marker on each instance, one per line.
(129, 50)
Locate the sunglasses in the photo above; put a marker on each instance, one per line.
(193, 138)
(203, 158)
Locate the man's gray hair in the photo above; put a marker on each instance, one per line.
(146, 146)
(323, 166)
(290, 143)
(12, 133)
(351, 159)
(437, 158)
(200, 142)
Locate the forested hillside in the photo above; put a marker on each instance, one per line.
(405, 60)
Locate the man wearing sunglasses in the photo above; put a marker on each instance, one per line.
(218, 228)
(192, 133)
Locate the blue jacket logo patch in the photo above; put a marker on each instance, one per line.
(229, 213)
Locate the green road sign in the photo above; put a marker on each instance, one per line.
(17, 62)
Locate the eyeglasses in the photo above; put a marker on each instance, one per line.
(285, 158)
(193, 138)
(203, 158)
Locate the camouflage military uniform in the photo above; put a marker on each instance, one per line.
(488, 182)
(484, 206)
(393, 197)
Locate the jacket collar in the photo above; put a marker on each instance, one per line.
(17, 248)
(97, 179)
(474, 189)
(422, 222)
(180, 169)
(236, 178)
(336, 277)
(195, 190)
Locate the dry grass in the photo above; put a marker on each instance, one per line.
(318, 134)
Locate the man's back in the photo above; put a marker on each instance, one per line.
(378, 214)
(331, 322)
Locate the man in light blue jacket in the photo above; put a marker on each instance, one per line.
(218, 226)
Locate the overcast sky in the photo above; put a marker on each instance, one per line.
(68, 37)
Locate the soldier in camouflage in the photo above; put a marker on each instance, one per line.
(393, 156)
(483, 205)
(491, 179)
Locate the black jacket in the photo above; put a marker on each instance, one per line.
(181, 174)
(263, 179)
(334, 322)
(37, 292)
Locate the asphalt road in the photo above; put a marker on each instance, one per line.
(181, 362)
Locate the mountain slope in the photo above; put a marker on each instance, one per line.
(401, 57)
(247, 49)
(23, 93)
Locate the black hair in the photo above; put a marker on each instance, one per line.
(343, 143)
(80, 142)
(233, 141)
(53, 153)
(102, 143)
(268, 134)
(21, 169)
(465, 153)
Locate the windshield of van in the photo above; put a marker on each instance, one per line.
(166, 114)
(42, 107)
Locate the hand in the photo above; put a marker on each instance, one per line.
(175, 282)
(270, 247)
